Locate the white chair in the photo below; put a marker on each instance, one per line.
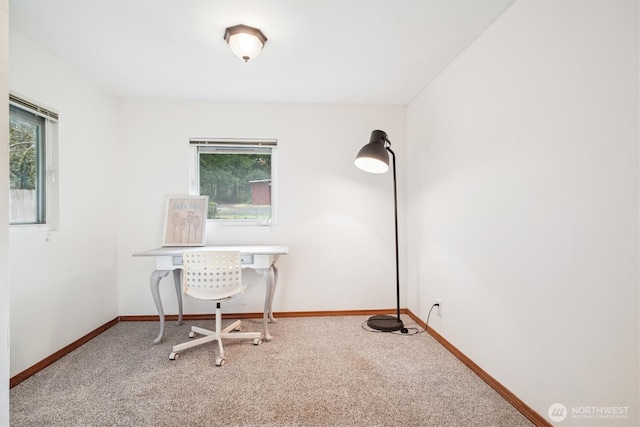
(214, 276)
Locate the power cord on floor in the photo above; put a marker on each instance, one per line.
(407, 331)
(426, 325)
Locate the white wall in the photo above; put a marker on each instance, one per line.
(63, 284)
(4, 216)
(337, 219)
(524, 201)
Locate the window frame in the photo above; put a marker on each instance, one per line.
(47, 188)
(201, 145)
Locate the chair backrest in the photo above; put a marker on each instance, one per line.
(212, 275)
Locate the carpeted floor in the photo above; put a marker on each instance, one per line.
(317, 371)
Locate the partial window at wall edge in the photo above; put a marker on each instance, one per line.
(33, 164)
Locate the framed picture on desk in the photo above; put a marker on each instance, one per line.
(185, 222)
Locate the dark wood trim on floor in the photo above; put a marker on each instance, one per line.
(532, 415)
(258, 315)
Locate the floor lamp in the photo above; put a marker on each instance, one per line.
(374, 158)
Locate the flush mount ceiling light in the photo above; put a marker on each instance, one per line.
(246, 42)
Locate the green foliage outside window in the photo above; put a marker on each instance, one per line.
(226, 179)
(23, 137)
(27, 167)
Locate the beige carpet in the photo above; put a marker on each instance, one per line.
(317, 371)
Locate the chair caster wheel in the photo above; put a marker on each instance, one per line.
(220, 361)
(174, 356)
(257, 341)
(192, 334)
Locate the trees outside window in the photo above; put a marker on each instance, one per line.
(238, 178)
(27, 167)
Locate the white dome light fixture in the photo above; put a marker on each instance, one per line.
(246, 42)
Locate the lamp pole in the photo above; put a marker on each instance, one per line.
(395, 215)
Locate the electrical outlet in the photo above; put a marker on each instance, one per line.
(439, 307)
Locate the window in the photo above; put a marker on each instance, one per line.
(32, 154)
(238, 176)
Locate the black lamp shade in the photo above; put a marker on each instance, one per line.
(374, 157)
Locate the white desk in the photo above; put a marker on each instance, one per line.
(262, 259)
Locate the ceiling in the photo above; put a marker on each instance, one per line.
(381, 52)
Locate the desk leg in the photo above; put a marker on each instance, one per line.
(177, 279)
(156, 277)
(273, 291)
(270, 277)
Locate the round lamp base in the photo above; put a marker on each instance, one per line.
(382, 322)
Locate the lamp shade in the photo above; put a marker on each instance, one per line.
(246, 42)
(374, 157)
